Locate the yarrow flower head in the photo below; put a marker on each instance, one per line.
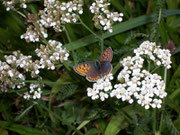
(101, 88)
(155, 53)
(10, 77)
(10, 4)
(137, 83)
(103, 18)
(33, 35)
(18, 60)
(57, 13)
(35, 92)
(51, 54)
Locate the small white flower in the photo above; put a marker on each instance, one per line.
(100, 88)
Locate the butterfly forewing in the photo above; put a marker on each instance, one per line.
(106, 55)
(84, 68)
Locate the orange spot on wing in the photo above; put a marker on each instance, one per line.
(94, 78)
(82, 69)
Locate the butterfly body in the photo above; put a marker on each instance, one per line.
(94, 70)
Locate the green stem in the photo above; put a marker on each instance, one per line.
(159, 17)
(5, 52)
(165, 76)
(161, 122)
(149, 65)
(20, 13)
(101, 39)
(102, 44)
(41, 35)
(154, 121)
(134, 114)
(69, 40)
(154, 69)
(162, 114)
(97, 36)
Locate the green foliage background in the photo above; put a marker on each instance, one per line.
(65, 109)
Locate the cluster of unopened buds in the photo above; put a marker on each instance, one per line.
(103, 17)
(33, 35)
(57, 13)
(10, 4)
(134, 81)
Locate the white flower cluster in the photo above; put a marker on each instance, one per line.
(138, 83)
(69, 11)
(12, 72)
(32, 35)
(51, 54)
(103, 18)
(56, 13)
(10, 4)
(35, 92)
(25, 62)
(10, 77)
(155, 53)
(101, 88)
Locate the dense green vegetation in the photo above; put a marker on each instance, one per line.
(64, 107)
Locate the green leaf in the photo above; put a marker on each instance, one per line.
(117, 29)
(83, 124)
(175, 76)
(25, 111)
(101, 124)
(175, 23)
(23, 130)
(3, 131)
(177, 124)
(115, 125)
(175, 93)
(66, 91)
(92, 131)
(172, 105)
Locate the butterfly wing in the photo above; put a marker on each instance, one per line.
(106, 55)
(89, 70)
(84, 68)
(106, 68)
(94, 75)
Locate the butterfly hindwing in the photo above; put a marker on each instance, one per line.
(84, 68)
(94, 75)
(106, 68)
(106, 55)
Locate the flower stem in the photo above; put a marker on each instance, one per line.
(21, 14)
(154, 121)
(41, 35)
(149, 65)
(89, 29)
(101, 40)
(159, 17)
(165, 76)
(102, 44)
(69, 39)
(162, 114)
(154, 69)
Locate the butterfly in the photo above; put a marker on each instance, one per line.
(94, 70)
